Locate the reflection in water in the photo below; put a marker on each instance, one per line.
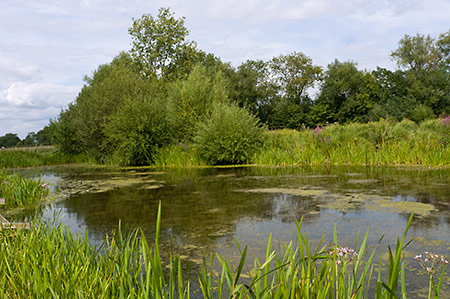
(204, 209)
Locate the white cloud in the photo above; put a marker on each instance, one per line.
(38, 95)
(11, 71)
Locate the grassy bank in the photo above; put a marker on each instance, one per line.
(50, 262)
(36, 156)
(377, 143)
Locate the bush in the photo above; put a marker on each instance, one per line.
(136, 131)
(230, 136)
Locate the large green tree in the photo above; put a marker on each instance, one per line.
(426, 64)
(347, 94)
(294, 74)
(291, 77)
(160, 47)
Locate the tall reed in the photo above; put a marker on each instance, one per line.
(377, 143)
(26, 157)
(21, 192)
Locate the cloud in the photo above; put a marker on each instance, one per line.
(12, 71)
(38, 95)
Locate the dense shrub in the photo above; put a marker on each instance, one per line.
(136, 131)
(230, 136)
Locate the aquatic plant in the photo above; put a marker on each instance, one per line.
(376, 143)
(39, 156)
(21, 192)
(432, 263)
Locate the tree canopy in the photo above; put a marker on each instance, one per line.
(166, 91)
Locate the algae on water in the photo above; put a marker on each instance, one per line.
(351, 201)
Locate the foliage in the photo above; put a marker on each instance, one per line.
(426, 64)
(80, 128)
(231, 135)
(134, 140)
(159, 45)
(346, 94)
(37, 156)
(187, 82)
(382, 142)
(294, 74)
(9, 140)
(190, 101)
(21, 192)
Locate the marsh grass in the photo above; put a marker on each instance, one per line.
(377, 143)
(179, 155)
(20, 192)
(31, 157)
(50, 262)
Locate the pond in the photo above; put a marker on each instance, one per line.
(205, 210)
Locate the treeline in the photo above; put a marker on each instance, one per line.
(43, 137)
(166, 91)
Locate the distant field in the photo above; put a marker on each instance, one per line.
(28, 148)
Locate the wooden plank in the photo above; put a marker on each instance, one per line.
(2, 201)
(18, 225)
(14, 225)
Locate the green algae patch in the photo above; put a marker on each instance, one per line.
(343, 202)
(419, 208)
(292, 191)
(108, 184)
(363, 181)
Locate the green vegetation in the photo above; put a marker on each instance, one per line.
(385, 142)
(136, 109)
(230, 136)
(37, 156)
(157, 101)
(20, 192)
(32, 139)
(49, 261)
(382, 142)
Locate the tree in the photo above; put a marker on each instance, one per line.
(417, 53)
(136, 131)
(253, 90)
(159, 45)
(30, 139)
(294, 74)
(80, 128)
(44, 136)
(9, 140)
(425, 62)
(190, 101)
(347, 94)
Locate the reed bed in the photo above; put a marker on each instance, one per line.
(20, 192)
(378, 143)
(50, 262)
(38, 156)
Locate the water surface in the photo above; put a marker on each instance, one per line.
(204, 210)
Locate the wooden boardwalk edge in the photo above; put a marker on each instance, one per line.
(6, 224)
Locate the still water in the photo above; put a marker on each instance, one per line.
(205, 210)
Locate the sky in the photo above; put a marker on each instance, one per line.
(48, 46)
